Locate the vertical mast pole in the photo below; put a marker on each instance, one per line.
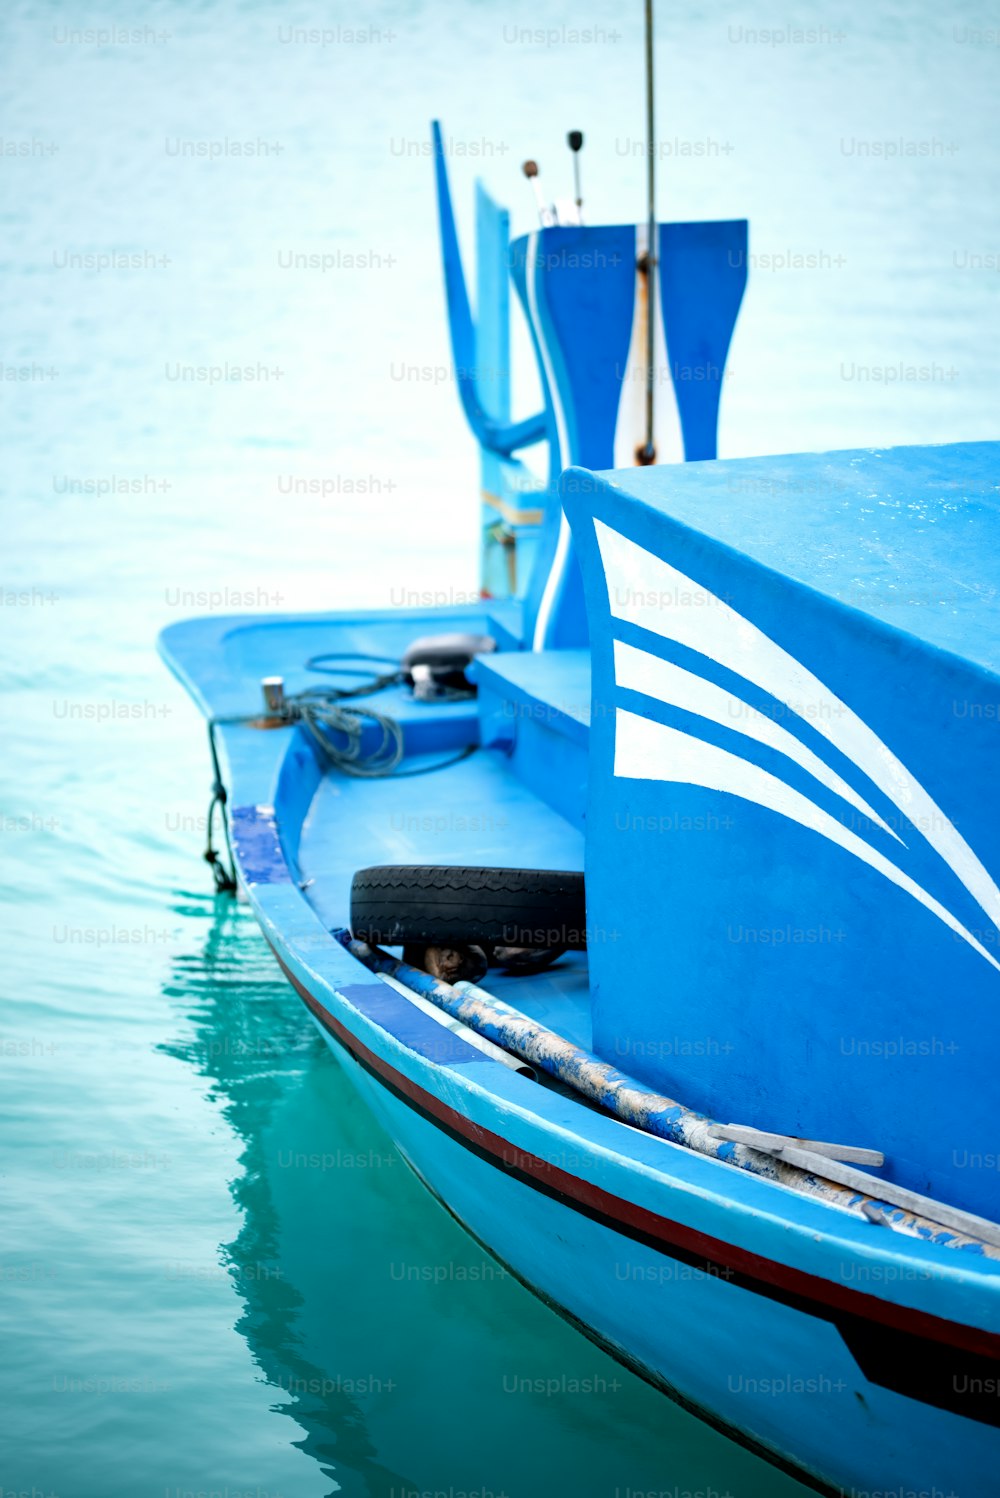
(648, 454)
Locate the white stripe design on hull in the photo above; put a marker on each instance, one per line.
(646, 591)
(655, 677)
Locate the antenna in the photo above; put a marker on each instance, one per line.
(647, 453)
(575, 142)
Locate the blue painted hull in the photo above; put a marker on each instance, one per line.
(864, 1357)
(774, 1376)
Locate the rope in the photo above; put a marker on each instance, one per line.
(320, 711)
(224, 875)
(387, 679)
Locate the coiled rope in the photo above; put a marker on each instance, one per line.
(321, 712)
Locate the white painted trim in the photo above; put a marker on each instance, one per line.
(645, 750)
(552, 584)
(646, 591)
(646, 673)
(563, 456)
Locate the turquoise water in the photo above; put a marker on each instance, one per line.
(215, 1273)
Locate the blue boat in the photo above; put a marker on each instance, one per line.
(651, 903)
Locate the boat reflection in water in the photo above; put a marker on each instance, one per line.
(247, 1039)
(343, 1261)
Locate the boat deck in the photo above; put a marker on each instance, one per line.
(474, 812)
(478, 811)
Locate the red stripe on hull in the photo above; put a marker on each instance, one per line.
(793, 1282)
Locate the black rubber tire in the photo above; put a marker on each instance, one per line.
(395, 904)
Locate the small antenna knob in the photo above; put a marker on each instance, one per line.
(530, 169)
(575, 140)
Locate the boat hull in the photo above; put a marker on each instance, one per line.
(865, 1358)
(746, 1359)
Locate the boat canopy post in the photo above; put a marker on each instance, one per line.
(481, 355)
(512, 496)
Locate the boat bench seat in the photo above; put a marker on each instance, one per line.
(535, 706)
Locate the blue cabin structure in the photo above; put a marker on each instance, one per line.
(793, 806)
